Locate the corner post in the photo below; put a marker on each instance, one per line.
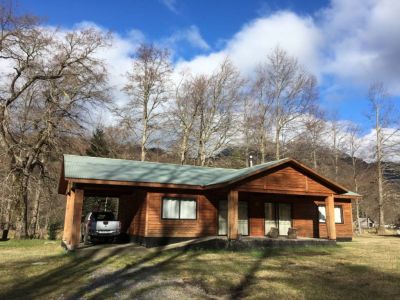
(233, 211)
(73, 215)
(330, 217)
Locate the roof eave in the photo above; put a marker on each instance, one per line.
(134, 183)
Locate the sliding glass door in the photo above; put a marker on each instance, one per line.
(278, 215)
(223, 217)
(285, 218)
(243, 218)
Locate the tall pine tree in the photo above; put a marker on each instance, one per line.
(99, 148)
(98, 144)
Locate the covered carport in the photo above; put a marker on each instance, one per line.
(76, 194)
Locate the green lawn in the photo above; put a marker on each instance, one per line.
(368, 267)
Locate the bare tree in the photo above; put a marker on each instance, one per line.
(51, 81)
(148, 89)
(288, 89)
(354, 145)
(249, 127)
(216, 108)
(315, 126)
(189, 94)
(382, 116)
(261, 109)
(337, 132)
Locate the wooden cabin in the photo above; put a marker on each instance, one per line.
(163, 203)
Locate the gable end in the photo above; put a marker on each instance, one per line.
(290, 177)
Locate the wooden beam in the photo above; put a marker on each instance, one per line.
(280, 192)
(330, 217)
(193, 187)
(72, 222)
(135, 183)
(68, 218)
(233, 211)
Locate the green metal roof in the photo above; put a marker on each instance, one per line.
(85, 167)
(350, 193)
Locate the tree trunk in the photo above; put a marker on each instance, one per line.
(381, 229)
(35, 211)
(262, 147)
(7, 222)
(202, 155)
(277, 144)
(143, 150)
(184, 146)
(21, 183)
(336, 165)
(358, 216)
(353, 160)
(25, 206)
(201, 146)
(314, 156)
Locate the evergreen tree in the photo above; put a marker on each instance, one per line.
(98, 144)
(99, 148)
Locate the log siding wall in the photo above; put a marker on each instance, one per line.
(344, 230)
(146, 212)
(286, 179)
(204, 225)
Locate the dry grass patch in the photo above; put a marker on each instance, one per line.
(368, 267)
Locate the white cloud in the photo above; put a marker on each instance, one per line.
(171, 5)
(362, 41)
(255, 40)
(191, 35)
(391, 148)
(350, 42)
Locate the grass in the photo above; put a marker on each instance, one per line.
(368, 267)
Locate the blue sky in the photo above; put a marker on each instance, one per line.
(217, 19)
(346, 44)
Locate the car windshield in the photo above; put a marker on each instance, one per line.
(103, 216)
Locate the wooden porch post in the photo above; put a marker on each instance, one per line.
(233, 211)
(330, 217)
(72, 222)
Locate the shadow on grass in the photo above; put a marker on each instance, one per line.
(343, 281)
(136, 278)
(84, 263)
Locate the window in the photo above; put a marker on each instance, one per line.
(175, 208)
(103, 216)
(338, 214)
(322, 214)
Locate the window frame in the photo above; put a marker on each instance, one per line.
(179, 199)
(336, 206)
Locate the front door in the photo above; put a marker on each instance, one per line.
(223, 217)
(285, 218)
(243, 228)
